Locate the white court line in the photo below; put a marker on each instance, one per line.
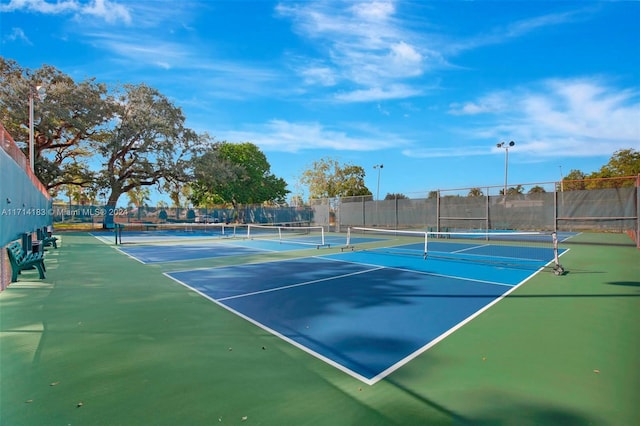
(299, 284)
(421, 272)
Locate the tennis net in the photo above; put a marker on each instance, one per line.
(305, 235)
(149, 232)
(510, 249)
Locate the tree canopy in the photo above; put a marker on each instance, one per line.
(395, 196)
(623, 163)
(235, 173)
(475, 192)
(327, 178)
(68, 122)
(134, 132)
(148, 143)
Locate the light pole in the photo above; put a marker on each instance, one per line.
(506, 146)
(561, 185)
(40, 93)
(379, 167)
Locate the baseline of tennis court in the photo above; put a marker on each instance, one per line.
(365, 313)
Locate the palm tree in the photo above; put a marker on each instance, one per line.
(138, 197)
(475, 192)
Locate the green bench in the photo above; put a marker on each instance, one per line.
(47, 239)
(21, 261)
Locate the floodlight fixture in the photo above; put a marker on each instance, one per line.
(506, 146)
(379, 167)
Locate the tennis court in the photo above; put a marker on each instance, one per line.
(105, 331)
(367, 312)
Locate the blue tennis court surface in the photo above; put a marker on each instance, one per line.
(364, 313)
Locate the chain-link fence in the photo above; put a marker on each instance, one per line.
(600, 210)
(95, 217)
(530, 207)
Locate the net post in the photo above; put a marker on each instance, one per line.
(426, 247)
(557, 268)
(118, 230)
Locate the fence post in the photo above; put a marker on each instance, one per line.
(397, 221)
(638, 211)
(556, 208)
(487, 211)
(438, 210)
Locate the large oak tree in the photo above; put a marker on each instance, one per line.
(68, 123)
(147, 145)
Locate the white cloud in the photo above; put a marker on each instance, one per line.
(374, 11)
(456, 151)
(585, 109)
(364, 44)
(526, 26)
(492, 103)
(397, 91)
(109, 11)
(225, 77)
(324, 76)
(404, 53)
(41, 6)
(501, 34)
(140, 50)
(383, 111)
(558, 117)
(282, 135)
(18, 34)
(404, 60)
(368, 45)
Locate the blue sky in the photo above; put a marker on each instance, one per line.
(426, 88)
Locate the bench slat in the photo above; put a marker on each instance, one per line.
(21, 261)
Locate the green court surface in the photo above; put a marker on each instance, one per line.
(106, 340)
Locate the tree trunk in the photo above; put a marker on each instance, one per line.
(110, 210)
